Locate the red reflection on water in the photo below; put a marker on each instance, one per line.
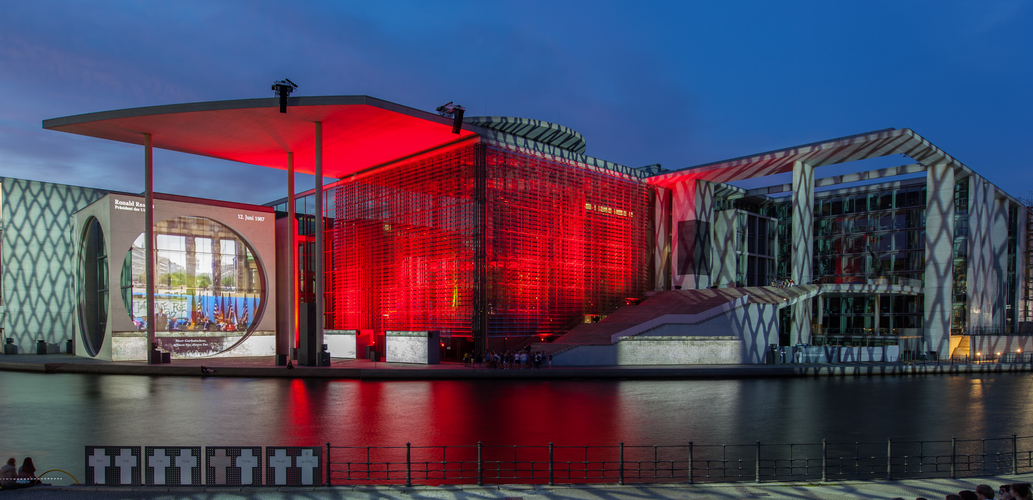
(304, 429)
(459, 413)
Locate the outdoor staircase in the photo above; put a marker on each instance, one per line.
(963, 348)
(671, 302)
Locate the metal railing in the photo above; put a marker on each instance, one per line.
(688, 463)
(975, 359)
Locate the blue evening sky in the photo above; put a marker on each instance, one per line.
(676, 83)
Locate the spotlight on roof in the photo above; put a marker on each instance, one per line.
(446, 109)
(283, 90)
(453, 111)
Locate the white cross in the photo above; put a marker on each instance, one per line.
(220, 462)
(280, 462)
(99, 461)
(308, 463)
(125, 461)
(247, 461)
(186, 463)
(159, 462)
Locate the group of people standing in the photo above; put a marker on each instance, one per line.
(11, 477)
(510, 359)
(1017, 491)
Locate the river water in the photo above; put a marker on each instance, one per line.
(51, 417)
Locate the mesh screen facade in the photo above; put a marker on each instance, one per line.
(563, 241)
(479, 241)
(402, 247)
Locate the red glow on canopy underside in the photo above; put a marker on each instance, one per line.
(355, 136)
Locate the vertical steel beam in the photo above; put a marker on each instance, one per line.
(148, 217)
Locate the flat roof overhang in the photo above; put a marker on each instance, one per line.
(845, 149)
(359, 132)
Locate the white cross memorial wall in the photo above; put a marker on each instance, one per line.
(210, 465)
(233, 465)
(172, 465)
(294, 466)
(113, 465)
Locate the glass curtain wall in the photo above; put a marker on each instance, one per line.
(869, 235)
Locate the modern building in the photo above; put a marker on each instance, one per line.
(506, 234)
(922, 253)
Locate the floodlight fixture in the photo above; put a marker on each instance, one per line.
(283, 89)
(457, 119)
(445, 109)
(453, 111)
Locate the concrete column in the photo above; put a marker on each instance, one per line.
(980, 262)
(1000, 245)
(802, 249)
(662, 239)
(288, 340)
(148, 218)
(1022, 305)
(939, 253)
(319, 254)
(820, 299)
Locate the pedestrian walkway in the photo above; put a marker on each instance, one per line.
(369, 370)
(932, 489)
(362, 369)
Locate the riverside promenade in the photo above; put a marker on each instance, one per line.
(361, 369)
(932, 489)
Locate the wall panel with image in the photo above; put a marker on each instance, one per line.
(208, 286)
(212, 272)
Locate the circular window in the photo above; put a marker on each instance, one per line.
(208, 286)
(93, 294)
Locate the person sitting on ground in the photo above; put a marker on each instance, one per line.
(968, 495)
(8, 472)
(27, 472)
(205, 369)
(1020, 491)
(984, 492)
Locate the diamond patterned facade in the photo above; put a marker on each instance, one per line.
(39, 259)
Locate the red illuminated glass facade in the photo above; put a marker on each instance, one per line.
(563, 241)
(480, 241)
